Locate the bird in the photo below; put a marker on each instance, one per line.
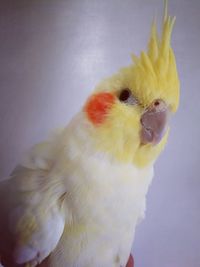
(76, 198)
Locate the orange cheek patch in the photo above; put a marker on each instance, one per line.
(98, 106)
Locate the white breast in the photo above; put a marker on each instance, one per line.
(104, 201)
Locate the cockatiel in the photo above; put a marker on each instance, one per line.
(76, 199)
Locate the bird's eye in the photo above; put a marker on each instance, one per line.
(124, 95)
(127, 97)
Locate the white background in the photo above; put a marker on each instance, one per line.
(53, 53)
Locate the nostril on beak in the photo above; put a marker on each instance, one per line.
(157, 103)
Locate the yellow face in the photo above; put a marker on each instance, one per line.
(129, 110)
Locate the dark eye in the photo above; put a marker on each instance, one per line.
(124, 95)
(127, 97)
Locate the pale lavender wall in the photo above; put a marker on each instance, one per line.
(52, 53)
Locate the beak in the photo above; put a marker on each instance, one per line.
(154, 122)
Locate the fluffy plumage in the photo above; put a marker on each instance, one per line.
(76, 199)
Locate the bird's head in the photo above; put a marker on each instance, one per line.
(129, 111)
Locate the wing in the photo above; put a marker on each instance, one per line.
(32, 220)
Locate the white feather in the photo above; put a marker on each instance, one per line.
(106, 199)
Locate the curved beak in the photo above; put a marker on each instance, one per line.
(154, 121)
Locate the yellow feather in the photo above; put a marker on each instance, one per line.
(153, 42)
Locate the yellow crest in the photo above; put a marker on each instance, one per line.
(154, 73)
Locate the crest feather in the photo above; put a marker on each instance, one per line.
(157, 66)
(153, 46)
